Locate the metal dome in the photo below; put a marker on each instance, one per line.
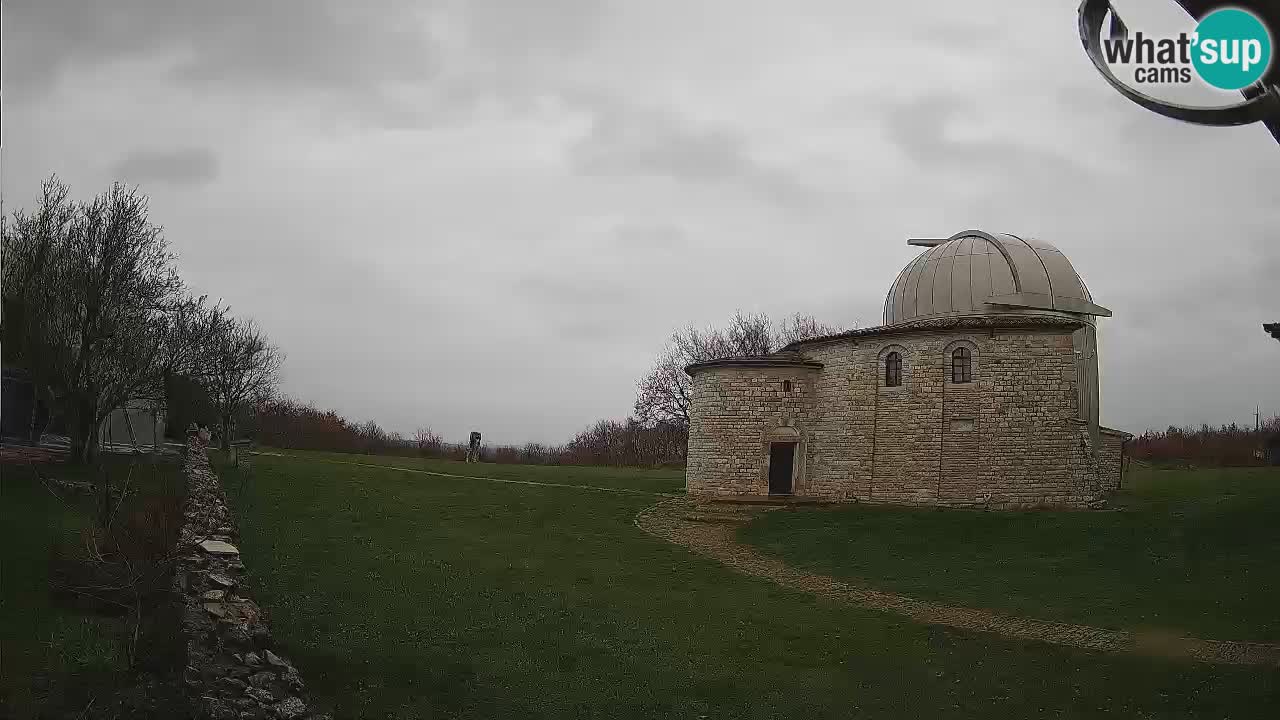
(979, 273)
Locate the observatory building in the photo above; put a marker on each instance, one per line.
(979, 390)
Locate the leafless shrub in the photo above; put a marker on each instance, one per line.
(428, 442)
(122, 567)
(1227, 445)
(627, 443)
(534, 454)
(506, 454)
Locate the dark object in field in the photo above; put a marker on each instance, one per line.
(25, 411)
(473, 447)
(1271, 450)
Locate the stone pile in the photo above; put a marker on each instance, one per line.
(233, 671)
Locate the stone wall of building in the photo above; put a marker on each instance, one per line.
(233, 671)
(1111, 458)
(1010, 438)
(736, 414)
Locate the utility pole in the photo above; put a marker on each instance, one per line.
(1257, 419)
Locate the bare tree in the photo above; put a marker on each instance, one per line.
(610, 442)
(428, 442)
(372, 437)
(189, 331)
(799, 326)
(31, 244)
(242, 369)
(666, 392)
(95, 291)
(748, 335)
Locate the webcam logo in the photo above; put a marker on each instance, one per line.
(1235, 49)
(1230, 49)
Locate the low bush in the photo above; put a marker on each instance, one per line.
(1223, 446)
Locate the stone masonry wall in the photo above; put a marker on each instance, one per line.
(737, 412)
(1111, 458)
(233, 672)
(1011, 438)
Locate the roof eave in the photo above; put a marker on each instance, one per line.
(748, 362)
(955, 322)
(1038, 301)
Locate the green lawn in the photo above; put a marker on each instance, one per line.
(408, 595)
(53, 658)
(624, 478)
(1194, 550)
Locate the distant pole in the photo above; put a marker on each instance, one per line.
(1257, 419)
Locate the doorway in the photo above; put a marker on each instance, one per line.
(781, 462)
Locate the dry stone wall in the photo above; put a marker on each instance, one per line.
(1011, 438)
(233, 671)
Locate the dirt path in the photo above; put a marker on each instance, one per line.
(711, 530)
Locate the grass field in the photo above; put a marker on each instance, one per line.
(55, 658)
(402, 594)
(1194, 550)
(620, 478)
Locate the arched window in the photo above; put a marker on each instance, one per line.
(893, 369)
(961, 365)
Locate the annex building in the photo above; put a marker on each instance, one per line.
(979, 390)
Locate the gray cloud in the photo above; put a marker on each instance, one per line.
(646, 237)
(630, 141)
(1211, 296)
(573, 290)
(920, 128)
(588, 332)
(595, 285)
(529, 32)
(184, 166)
(970, 36)
(449, 205)
(398, 64)
(296, 44)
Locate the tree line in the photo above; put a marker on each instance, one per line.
(1225, 445)
(288, 423)
(96, 314)
(656, 434)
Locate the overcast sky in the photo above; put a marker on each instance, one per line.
(491, 214)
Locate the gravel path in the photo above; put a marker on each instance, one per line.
(711, 530)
